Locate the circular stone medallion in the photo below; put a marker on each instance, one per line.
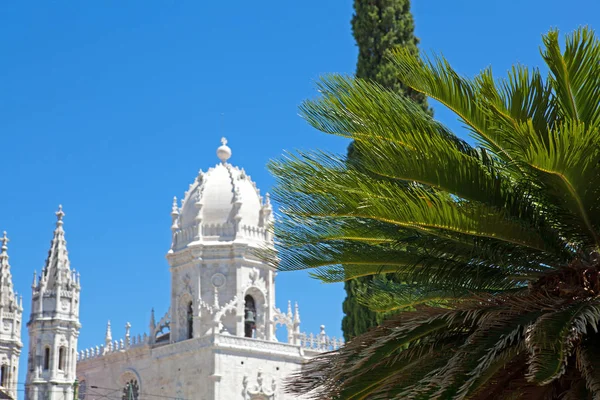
(218, 280)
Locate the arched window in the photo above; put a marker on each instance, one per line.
(62, 352)
(3, 375)
(190, 321)
(30, 359)
(131, 391)
(249, 316)
(47, 358)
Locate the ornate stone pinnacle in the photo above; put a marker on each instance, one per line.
(59, 215)
(224, 141)
(296, 314)
(4, 242)
(174, 209)
(108, 336)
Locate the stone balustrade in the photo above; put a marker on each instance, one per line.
(320, 342)
(113, 347)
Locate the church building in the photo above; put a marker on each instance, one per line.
(216, 342)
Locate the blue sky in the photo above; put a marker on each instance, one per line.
(111, 107)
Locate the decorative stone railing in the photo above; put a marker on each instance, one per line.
(311, 342)
(227, 230)
(255, 232)
(320, 342)
(113, 347)
(52, 293)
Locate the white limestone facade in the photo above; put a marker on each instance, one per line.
(11, 310)
(217, 341)
(53, 325)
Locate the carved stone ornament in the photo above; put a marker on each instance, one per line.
(218, 280)
(259, 391)
(254, 274)
(186, 281)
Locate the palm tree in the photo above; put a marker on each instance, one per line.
(496, 246)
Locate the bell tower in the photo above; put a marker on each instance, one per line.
(218, 284)
(53, 324)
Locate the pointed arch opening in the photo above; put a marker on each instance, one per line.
(249, 316)
(46, 358)
(62, 352)
(131, 391)
(184, 319)
(190, 320)
(4, 375)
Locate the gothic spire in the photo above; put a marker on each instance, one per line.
(7, 294)
(152, 321)
(57, 268)
(4, 265)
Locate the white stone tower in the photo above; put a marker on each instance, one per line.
(217, 284)
(53, 325)
(217, 341)
(11, 310)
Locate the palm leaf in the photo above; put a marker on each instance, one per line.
(588, 364)
(494, 248)
(552, 338)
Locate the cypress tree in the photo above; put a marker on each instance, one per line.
(378, 26)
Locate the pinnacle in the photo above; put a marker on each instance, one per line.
(174, 209)
(108, 336)
(4, 242)
(59, 215)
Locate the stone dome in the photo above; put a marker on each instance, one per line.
(222, 204)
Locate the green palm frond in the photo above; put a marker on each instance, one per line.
(494, 249)
(566, 164)
(310, 186)
(575, 75)
(435, 78)
(402, 142)
(523, 96)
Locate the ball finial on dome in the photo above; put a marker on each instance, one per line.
(224, 152)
